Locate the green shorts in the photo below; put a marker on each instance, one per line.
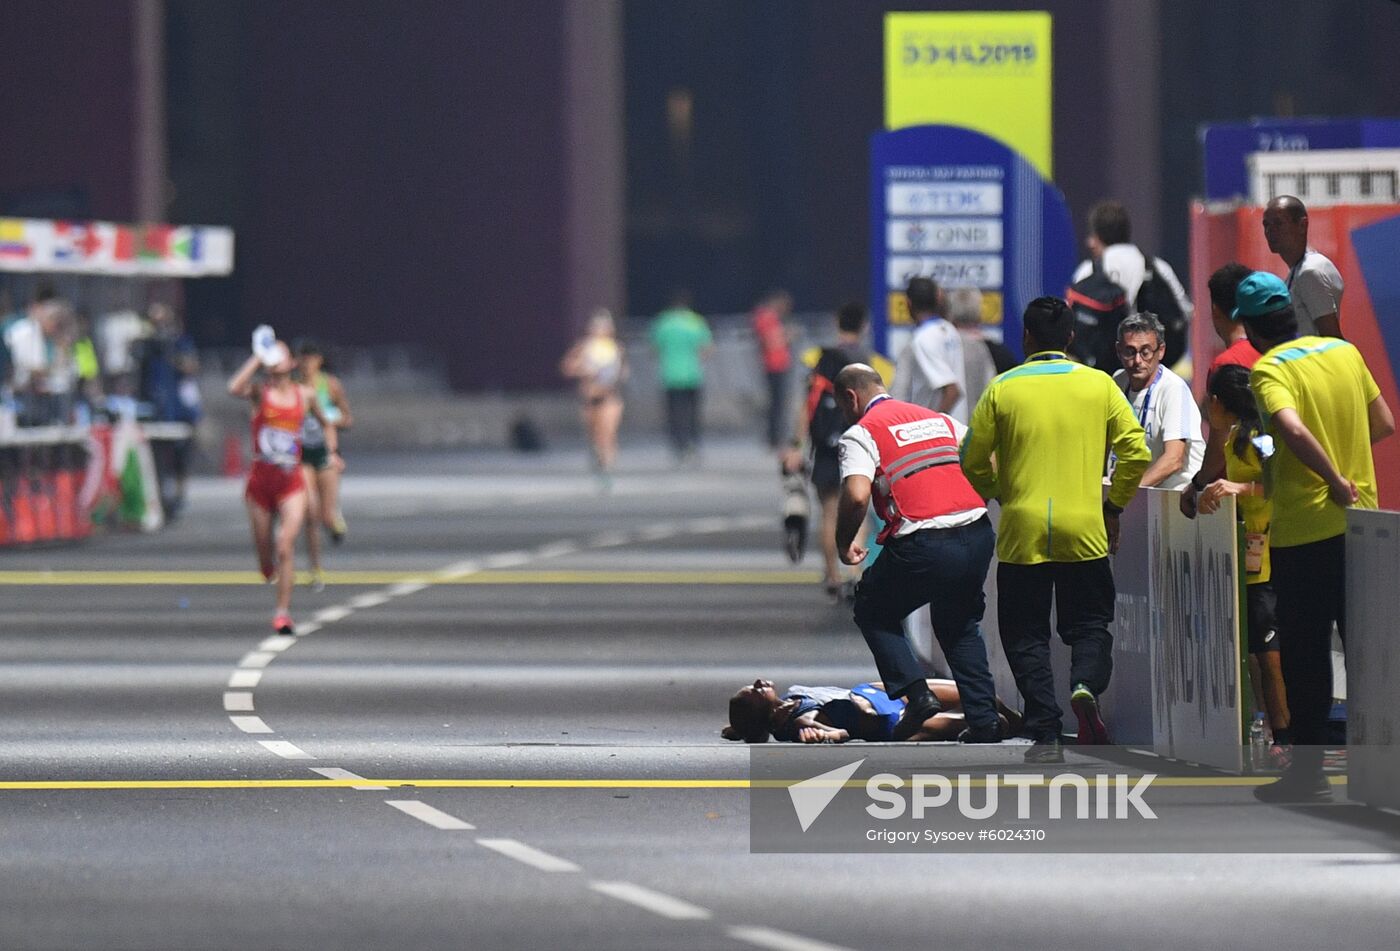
(318, 458)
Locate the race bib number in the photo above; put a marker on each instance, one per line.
(1254, 544)
(921, 430)
(278, 446)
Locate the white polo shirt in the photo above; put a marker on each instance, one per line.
(932, 360)
(1167, 411)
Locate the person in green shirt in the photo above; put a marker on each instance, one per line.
(1049, 424)
(682, 340)
(1323, 409)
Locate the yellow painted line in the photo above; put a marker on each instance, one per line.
(137, 784)
(143, 578)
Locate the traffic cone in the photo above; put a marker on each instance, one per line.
(233, 456)
(45, 521)
(5, 533)
(24, 517)
(65, 504)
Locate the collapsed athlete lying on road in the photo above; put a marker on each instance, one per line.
(838, 714)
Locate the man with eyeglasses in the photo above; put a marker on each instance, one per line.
(1162, 402)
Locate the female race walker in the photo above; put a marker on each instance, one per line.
(276, 489)
(597, 362)
(322, 479)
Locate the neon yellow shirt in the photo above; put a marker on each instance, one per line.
(1050, 422)
(1324, 380)
(1255, 510)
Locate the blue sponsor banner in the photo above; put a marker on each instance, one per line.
(962, 208)
(1227, 146)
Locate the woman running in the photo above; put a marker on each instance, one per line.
(276, 489)
(598, 363)
(321, 477)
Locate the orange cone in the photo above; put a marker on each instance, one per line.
(5, 533)
(45, 519)
(65, 504)
(233, 456)
(24, 517)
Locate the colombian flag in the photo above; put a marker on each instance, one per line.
(13, 243)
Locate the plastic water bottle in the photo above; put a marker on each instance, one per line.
(1258, 744)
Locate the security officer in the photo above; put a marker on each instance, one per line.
(1050, 422)
(937, 546)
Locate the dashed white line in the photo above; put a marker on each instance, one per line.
(507, 559)
(277, 643)
(372, 600)
(609, 540)
(244, 678)
(654, 533)
(332, 614)
(311, 627)
(252, 724)
(334, 772)
(286, 750)
(529, 855)
(653, 901)
(459, 569)
(556, 549)
(426, 813)
(711, 526)
(780, 940)
(238, 701)
(405, 588)
(256, 659)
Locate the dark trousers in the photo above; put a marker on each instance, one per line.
(1310, 583)
(1083, 594)
(945, 569)
(777, 408)
(683, 418)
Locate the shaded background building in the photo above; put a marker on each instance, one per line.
(474, 177)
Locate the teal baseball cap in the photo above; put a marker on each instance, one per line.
(1260, 293)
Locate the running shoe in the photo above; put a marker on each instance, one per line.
(282, 624)
(339, 529)
(318, 580)
(1092, 732)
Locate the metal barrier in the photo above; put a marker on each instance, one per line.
(1373, 657)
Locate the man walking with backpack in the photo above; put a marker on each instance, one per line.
(1119, 279)
(820, 424)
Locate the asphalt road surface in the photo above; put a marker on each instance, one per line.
(536, 672)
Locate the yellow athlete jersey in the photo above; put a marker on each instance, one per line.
(1255, 510)
(1324, 380)
(1050, 423)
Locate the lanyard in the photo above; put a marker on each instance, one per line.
(882, 397)
(1147, 400)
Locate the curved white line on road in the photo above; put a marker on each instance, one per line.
(528, 855)
(285, 750)
(251, 724)
(780, 940)
(238, 701)
(655, 902)
(426, 813)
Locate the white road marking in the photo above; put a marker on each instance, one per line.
(277, 643)
(332, 614)
(780, 940)
(334, 772)
(556, 549)
(459, 569)
(507, 559)
(652, 901)
(711, 526)
(372, 600)
(257, 659)
(238, 701)
(426, 813)
(308, 628)
(654, 533)
(245, 678)
(751, 521)
(286, 750)
(529, 855)
(252, 724)
(609, 540)
(405, 588)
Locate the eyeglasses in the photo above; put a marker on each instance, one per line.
(1142, 353)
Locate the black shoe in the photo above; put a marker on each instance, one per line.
(1296, 786)
(914, 716)
(1045, 751)
(986, 733)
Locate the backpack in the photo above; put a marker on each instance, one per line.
(1099, 306)
(825, 421)
(1156, 296)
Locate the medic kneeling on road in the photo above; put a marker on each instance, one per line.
(938, 544)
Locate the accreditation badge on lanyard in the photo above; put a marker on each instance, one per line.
(1141, 417)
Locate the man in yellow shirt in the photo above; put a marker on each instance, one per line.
(1324, 410)
(1050, 423)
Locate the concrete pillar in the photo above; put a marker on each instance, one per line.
(149, 148)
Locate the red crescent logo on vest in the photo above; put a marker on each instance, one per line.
(921, 430)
